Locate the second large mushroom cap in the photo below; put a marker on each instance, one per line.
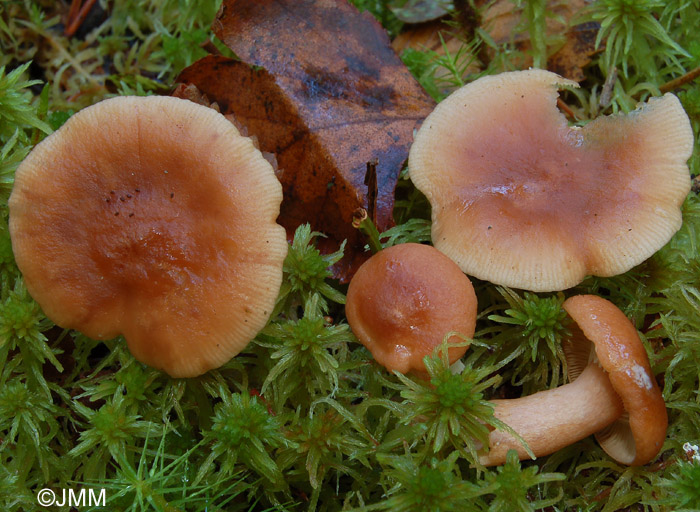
(152, 218)
(522, 199)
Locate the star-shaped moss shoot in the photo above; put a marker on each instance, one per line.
(450, 408)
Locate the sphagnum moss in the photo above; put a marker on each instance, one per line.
(344, 434)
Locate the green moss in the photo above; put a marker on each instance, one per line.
(684, 486)
(511, 485)
(435, 485)
(16, 110)
(451, 408)
(306, 271)
(307, 354)
(534, 340)
(243, 430)
(303, 418)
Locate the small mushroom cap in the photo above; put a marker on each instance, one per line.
(638, 435)
(404, 300)
(151, 217)
(520, 198)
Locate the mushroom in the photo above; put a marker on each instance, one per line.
(151, 217)
(522, 199)
(404, 300)
(612, 394)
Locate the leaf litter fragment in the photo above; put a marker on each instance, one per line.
(318, 85)
(571, 45)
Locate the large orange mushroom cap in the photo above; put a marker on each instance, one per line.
(522, 199)
(404, 300)
(152, 218)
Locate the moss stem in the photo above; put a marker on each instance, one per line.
(361, 221)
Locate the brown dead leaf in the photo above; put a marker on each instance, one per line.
(500, 20)
(440, 35)
(577, 52)
(420, 11)
(321, 88)
(434, 35)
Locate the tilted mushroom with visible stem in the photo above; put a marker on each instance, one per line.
(151, 217)
(613, 394)
(404, 300)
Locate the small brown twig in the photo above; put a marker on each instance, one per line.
(566, 109)
(680, 81)
(603, 495)
(372, 190)
(76, 16)
(209, 47)
(73, 11)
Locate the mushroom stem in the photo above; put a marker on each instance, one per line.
(552, 419)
